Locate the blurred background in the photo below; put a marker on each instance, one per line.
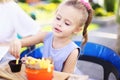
(105, 26)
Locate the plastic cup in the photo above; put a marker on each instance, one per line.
(15, 67)
(41, 74)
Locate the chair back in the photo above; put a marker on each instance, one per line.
(102, 52)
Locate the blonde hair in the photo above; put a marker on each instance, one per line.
(85, 16)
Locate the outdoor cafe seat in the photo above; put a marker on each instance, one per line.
(102, 55)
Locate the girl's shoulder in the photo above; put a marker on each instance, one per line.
(76, 47)
(48, 35)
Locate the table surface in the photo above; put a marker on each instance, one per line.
(6, 73)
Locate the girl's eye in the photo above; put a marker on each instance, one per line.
(58, 18)
(66, 23)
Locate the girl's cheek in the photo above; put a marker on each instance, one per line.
(54, 22)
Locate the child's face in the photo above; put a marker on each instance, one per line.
(66, 21)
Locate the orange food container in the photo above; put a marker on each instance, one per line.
(41, 74)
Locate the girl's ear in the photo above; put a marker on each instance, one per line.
(77, 30)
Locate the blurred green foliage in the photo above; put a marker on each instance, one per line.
(41, 12)
(118, 12)
(55, 1)
(95, 5)
(46, 7)
(109, 5)
(101, 10)
(22, 1)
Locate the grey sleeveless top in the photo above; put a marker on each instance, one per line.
(59, 56)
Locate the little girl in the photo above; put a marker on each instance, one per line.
(72, 16)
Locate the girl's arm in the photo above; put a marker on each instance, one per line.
(38, 38)
(16, 45)
(4, 44)
(71, 61)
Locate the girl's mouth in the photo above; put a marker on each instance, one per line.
(57, 30)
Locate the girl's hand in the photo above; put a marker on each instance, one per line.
(15, 47)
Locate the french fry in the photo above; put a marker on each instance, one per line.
(17, 60)
(39, 63)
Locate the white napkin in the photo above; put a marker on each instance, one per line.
(3, 51)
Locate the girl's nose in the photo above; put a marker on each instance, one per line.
(60, 23)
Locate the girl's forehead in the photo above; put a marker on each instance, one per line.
(69, 12)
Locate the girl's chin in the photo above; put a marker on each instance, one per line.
(57, 34)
